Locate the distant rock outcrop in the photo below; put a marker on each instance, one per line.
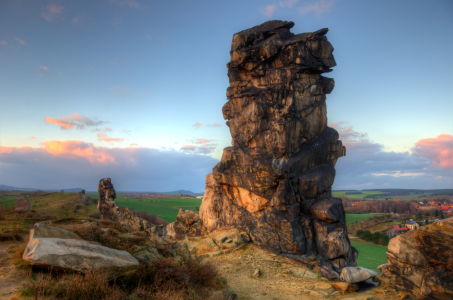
(275, 181)
(108, 209)
(420, 262)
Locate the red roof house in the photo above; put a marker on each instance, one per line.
(396, 227)
(404, 228)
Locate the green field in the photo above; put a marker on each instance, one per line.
(371, 255)
(358, 196)
(166, 209)
(351, 218)
(9, 200)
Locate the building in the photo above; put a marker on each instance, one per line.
(412, 225)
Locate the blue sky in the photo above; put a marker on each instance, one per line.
(143, 84)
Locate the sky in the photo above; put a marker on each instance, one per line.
(133, 90)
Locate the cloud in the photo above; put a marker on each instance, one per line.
(203, 149)
(43, 69)
(71, 121)
(202, 141)
(144, 95)
(130, 3)
(3, 43)
(52, 12)
(103, 137)
(64, 164)
(23, 43)
(189, 148)
(197, 124)
(119, 90)
(268, 10)
(134, 144)
(398, 174)
(108, 129)
(288, 3)
(438, 150)
(319, 7)
(126, 131)
(33, 137)
(214, 125)
(113, 62)
(366, 161)
(79, 19)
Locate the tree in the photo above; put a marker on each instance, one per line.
(441, 215)
(436, 213)
(385, 240)
(427, 214)
(418, 216)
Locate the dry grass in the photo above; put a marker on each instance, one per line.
(166, 279)
(153, 219)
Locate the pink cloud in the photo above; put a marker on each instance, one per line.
(189, 147)
(134, 144)
(23, 43)
(52, 12)
(198, 124)
(63, 124)
(202, 141)
(438, 150)
(74, 120)
(355, 140)
(105, 138)
(214, 125)
(33, 137)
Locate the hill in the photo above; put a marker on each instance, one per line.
(13, 188)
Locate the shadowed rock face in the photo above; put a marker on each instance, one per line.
(275, 181)
(420, 262)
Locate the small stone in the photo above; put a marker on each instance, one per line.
(256, 273)
(341, 286)
(324, 287)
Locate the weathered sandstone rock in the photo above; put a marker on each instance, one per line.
(108, 209)
(275, 180)
(186, 224)
(356, 274)
(58, 248)
(420, 262)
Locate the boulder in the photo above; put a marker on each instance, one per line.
(356, 274)
(275, 180)
(420, 262)
(58, 248)
(186, 225)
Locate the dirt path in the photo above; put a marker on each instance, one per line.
(276, 281)
(10, 283)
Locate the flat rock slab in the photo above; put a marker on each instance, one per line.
(356, 274)
(58, 248)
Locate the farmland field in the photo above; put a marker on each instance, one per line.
(351, 218)
(371, 255)
(357, 196)
(166, 209)
(9, 201)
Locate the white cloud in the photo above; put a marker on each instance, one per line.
(269, 10)
(319, 7)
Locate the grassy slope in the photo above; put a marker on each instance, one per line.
(350, 218)
(166, 209)
(371, 255)
(62, 205)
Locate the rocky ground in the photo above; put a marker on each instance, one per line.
(280, 278)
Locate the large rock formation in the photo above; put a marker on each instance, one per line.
(275, 181)
(108, 210)
(420, 262)
(58, 248)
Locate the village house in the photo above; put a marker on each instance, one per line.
(412, 225)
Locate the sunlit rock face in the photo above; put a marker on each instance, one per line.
(275, 180)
